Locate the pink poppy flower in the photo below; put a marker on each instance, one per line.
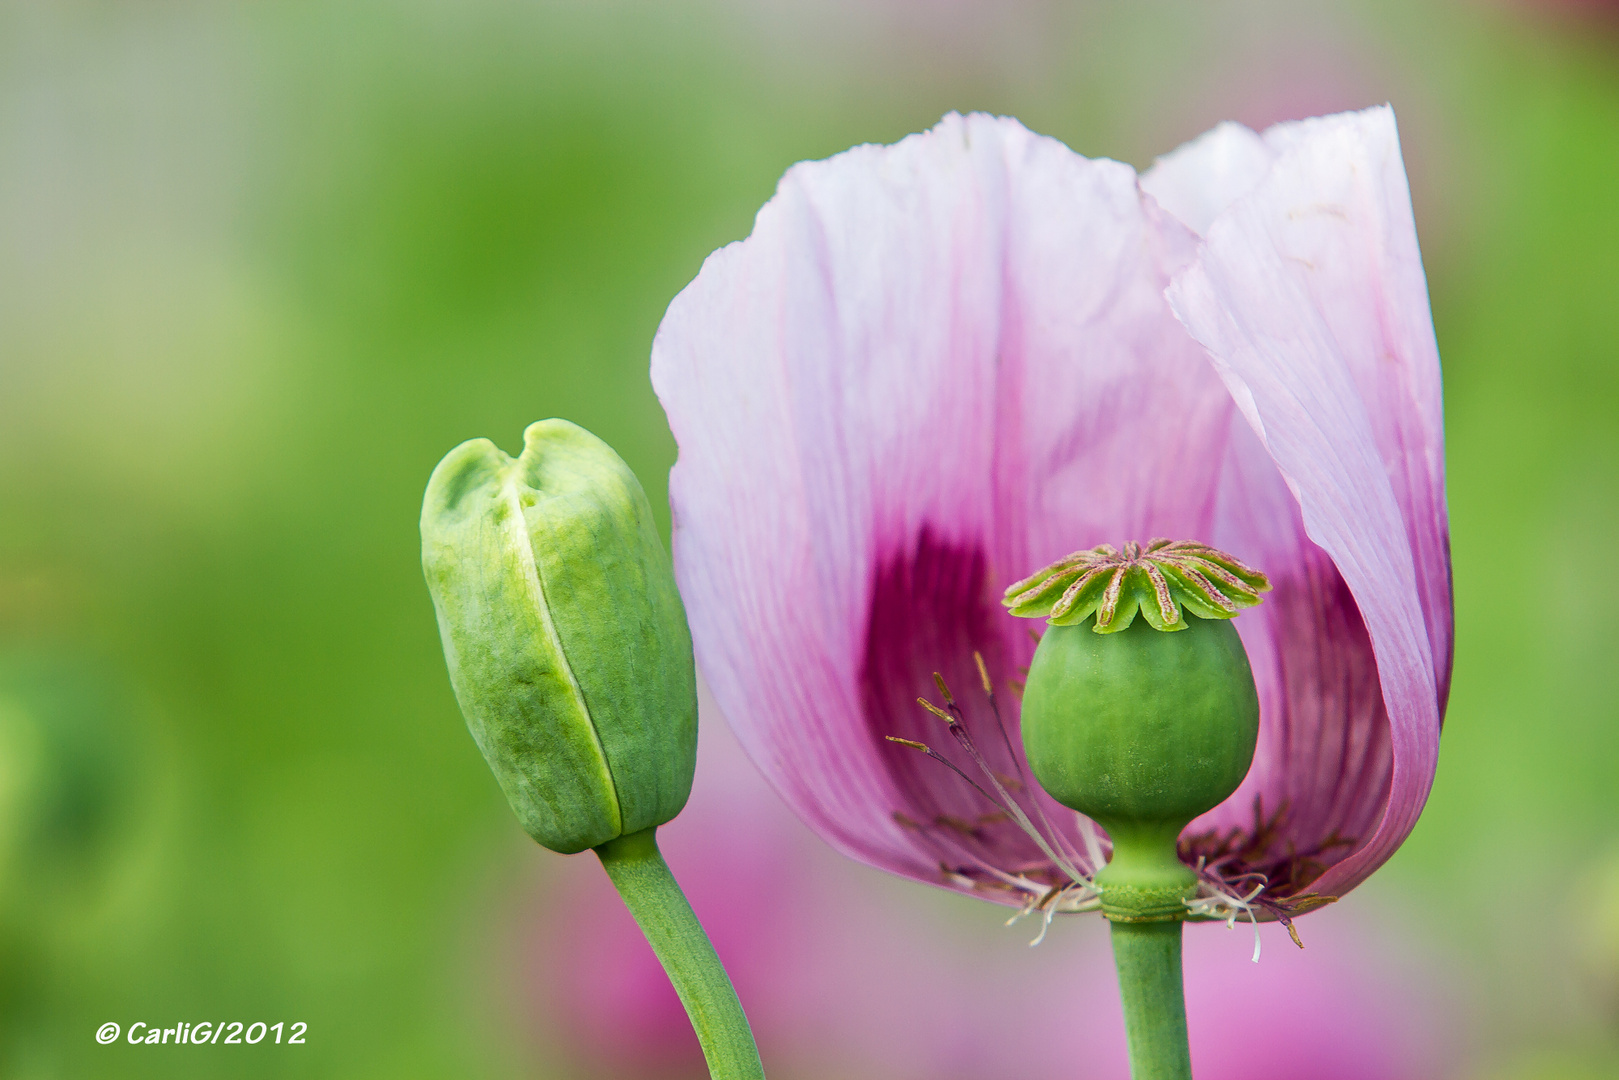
(939, 365)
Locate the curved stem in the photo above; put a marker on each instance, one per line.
(660, 908)
(1148, 956)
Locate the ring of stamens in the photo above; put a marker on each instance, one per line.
(1217, 898)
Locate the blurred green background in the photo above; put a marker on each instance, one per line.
(261, 265)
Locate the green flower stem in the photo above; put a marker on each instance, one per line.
(660, 908)
(1148, 956)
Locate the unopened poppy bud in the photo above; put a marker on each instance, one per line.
(1141, 725)
(565, 636)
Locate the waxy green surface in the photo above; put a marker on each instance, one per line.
(1140, 729)
(565, 635)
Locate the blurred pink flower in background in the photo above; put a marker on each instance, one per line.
(937, 366)
(842, 977)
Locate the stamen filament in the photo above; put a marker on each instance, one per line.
(954, 719)
(1023, 821)
(936, 756)
(1017, 760)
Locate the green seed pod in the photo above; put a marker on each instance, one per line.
(565, 635)
(1141, 724)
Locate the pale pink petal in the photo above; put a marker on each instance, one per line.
(932, 367)
(1198, 181)
(1309, 295)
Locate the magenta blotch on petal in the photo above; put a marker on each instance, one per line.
(936, 366)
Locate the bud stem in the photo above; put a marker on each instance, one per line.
(671, 927)
(1148, 956)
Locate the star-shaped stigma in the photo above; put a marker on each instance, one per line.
(1159, 579)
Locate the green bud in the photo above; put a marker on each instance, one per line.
(1141, 725)
(565, 635)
